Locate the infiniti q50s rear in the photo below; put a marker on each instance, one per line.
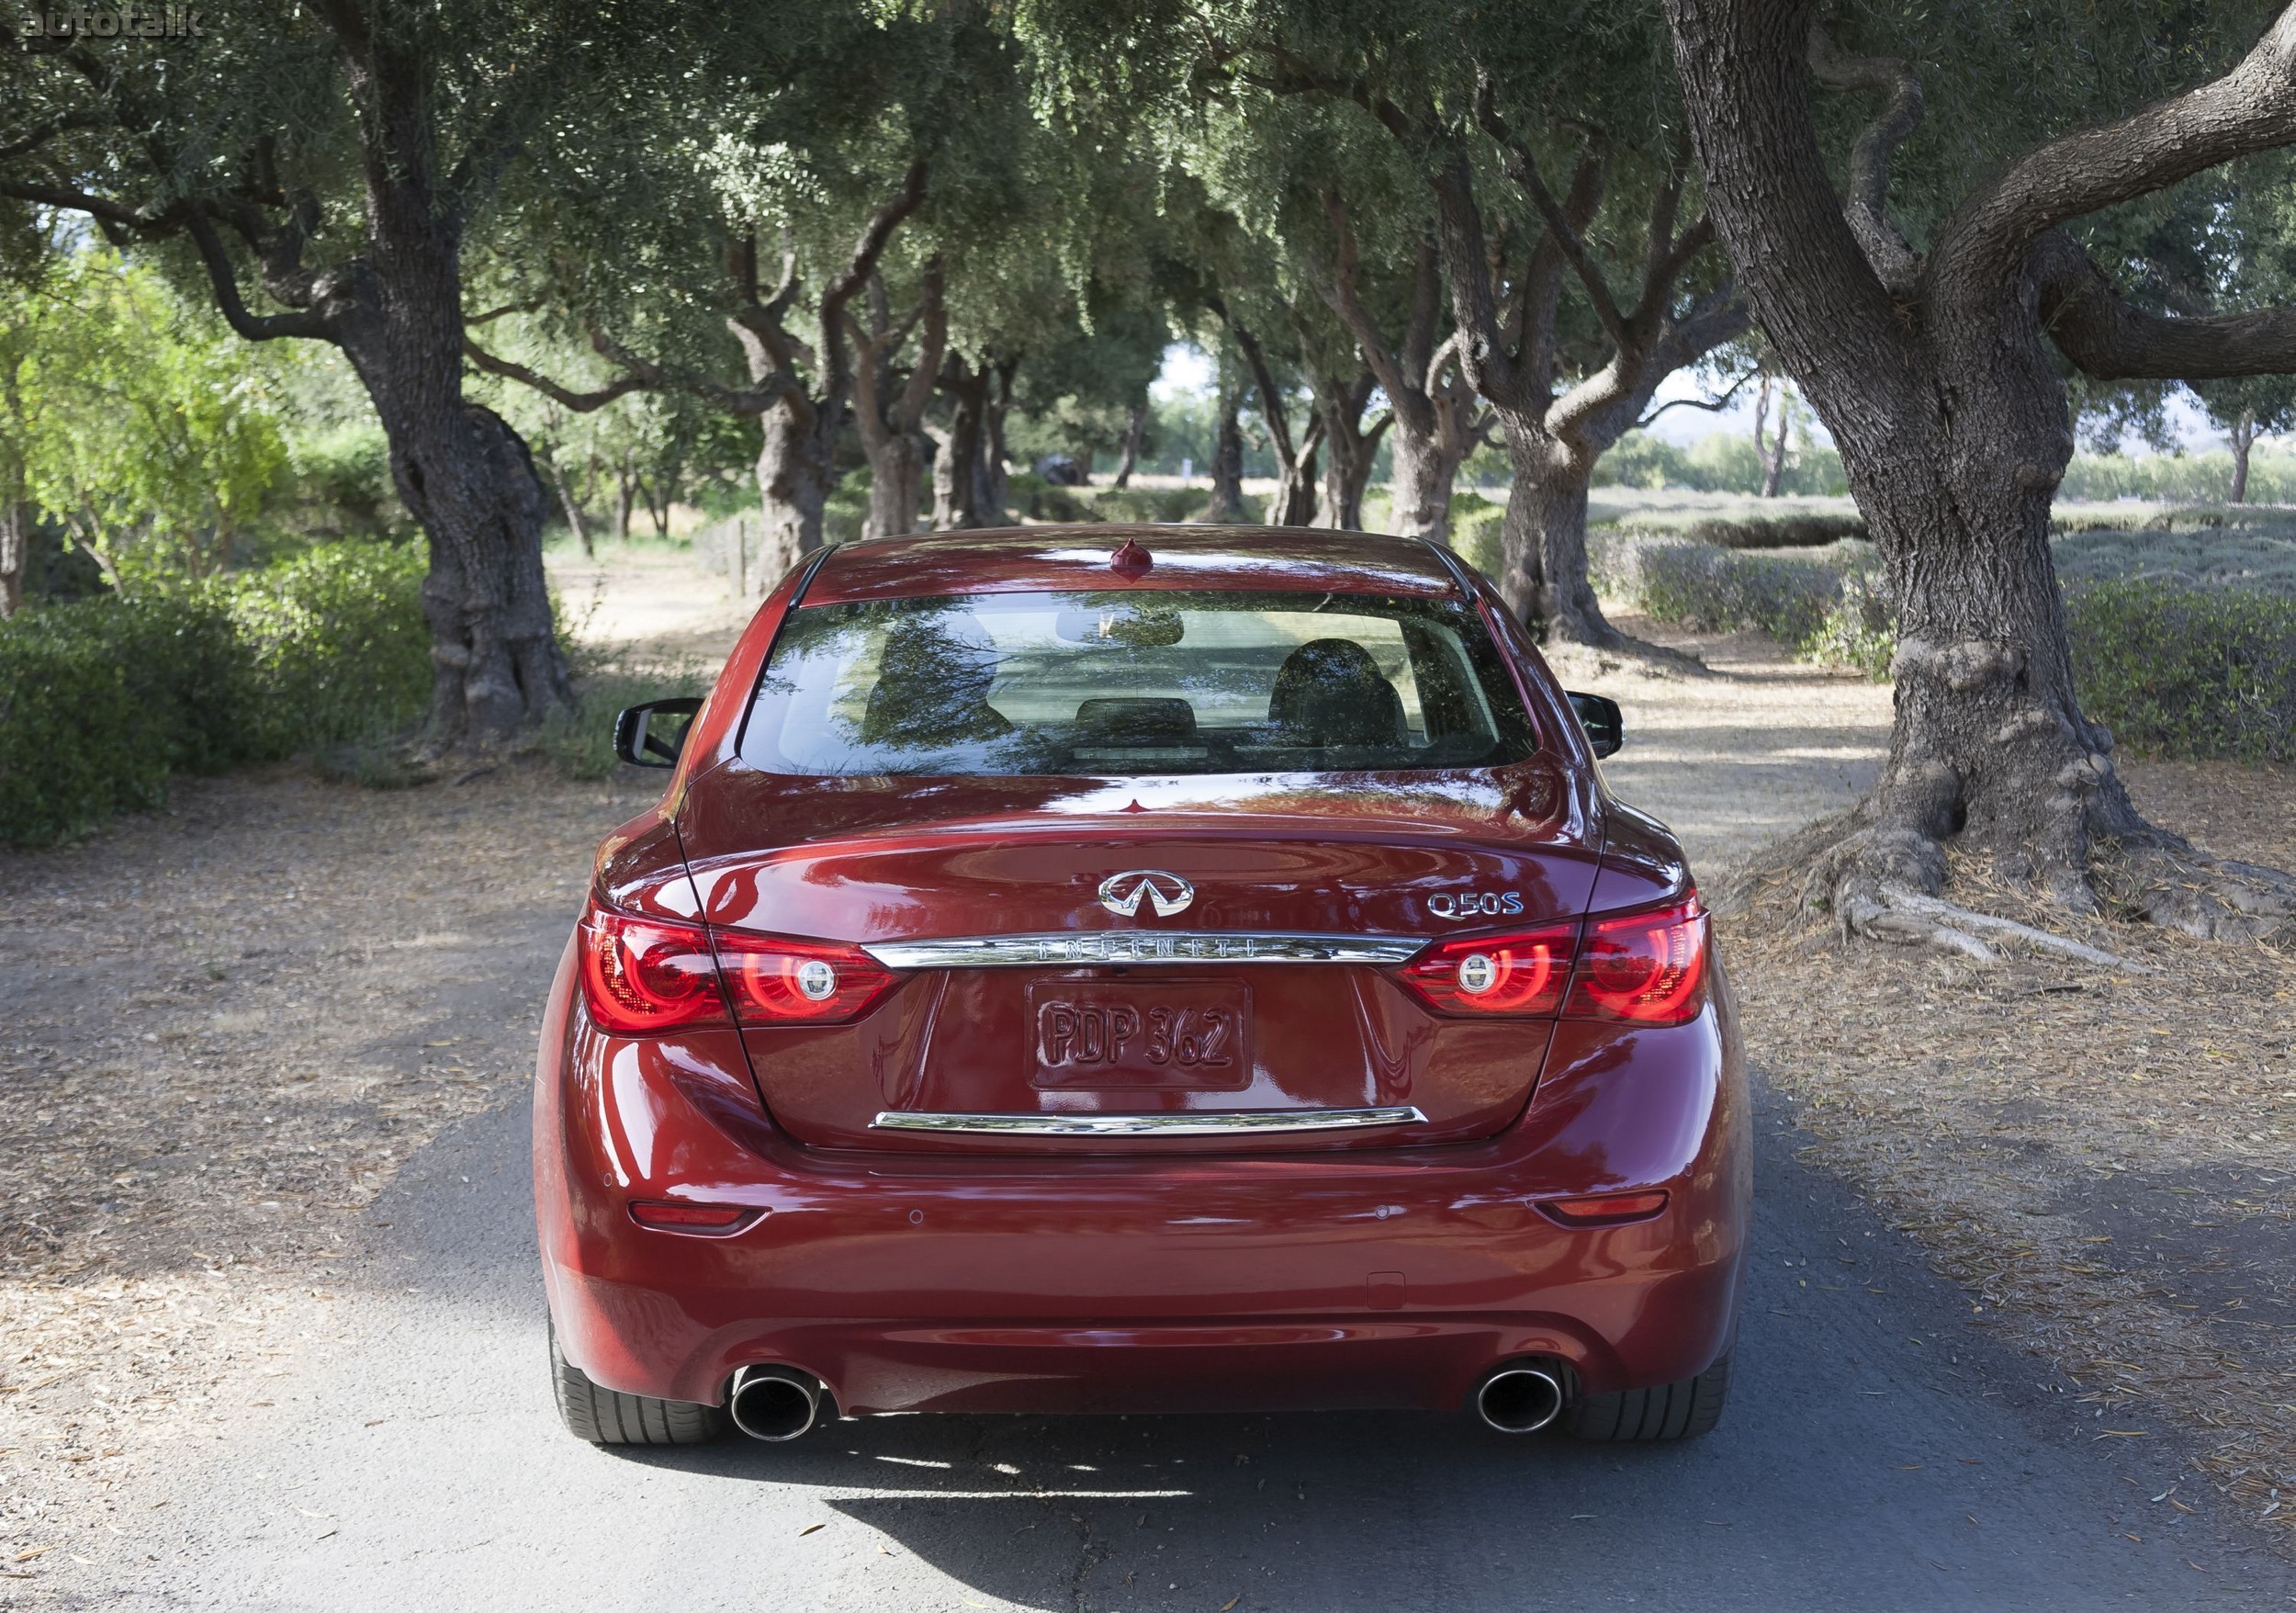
(1130, 970)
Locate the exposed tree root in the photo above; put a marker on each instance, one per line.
(1910, 917)
(2170, 884)
(1881, 879)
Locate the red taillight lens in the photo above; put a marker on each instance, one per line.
(1606, 1209)
(665, 1215)
(776, 980)
(1647, 968)
(641, 974)
(1519, 973)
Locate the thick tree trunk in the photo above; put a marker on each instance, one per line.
(1936, 380)
(626, 479)
(1543, 540)
(1293, 501)
(1227, 465)
(1134, 428)
(794, 475)
(469, 479)
(1419, 485)
(896, 484)
(15, 549)
(2243, 435)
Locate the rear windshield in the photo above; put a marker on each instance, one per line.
(1117, 685)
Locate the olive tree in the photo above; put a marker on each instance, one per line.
(1932, 339)
(325, 164)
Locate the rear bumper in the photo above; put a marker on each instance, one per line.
(1355, 1278)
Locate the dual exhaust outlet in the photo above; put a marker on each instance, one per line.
(777, 1403)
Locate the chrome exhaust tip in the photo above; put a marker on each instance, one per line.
(775, 1403)
(1519, 1399)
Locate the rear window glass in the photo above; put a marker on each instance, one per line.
(1116, 684)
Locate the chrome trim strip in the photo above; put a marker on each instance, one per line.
(1182, 1123)
(1143, 946)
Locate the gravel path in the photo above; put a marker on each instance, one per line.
(392, 1446)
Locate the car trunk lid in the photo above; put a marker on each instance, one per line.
(1185, 964)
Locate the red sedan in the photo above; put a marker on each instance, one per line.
(1150, 969)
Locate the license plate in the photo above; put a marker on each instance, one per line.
(1187, 1036)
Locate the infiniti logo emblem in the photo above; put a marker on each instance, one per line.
(1167, 893)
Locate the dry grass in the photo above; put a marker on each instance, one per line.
(2103, 1158)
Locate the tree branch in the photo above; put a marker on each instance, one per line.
(1403, 391)
(304, 323)
(2105, 337)
(1866, 208)
(621, 386)
(1524, 170)
(41, 134)
(1713, 405)
(2251, 108)
(1272, 409)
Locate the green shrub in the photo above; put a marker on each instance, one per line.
(2186, 673)
(101, 700)
(1794, 598)
(1784, 532)
(580, 740)
(1475, 531)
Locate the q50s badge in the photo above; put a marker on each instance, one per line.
(1475, 904)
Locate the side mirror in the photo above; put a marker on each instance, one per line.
(652, 734)
(1598, 714)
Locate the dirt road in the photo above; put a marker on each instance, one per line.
(281, 1259)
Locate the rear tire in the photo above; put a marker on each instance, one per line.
(608, 1417)
(1670, 1410)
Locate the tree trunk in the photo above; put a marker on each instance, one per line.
(1226, 469)
(963, 493)
(1419, 485)
(625, 497)
(16, 549)
(1772, 457)
(1348, 451)
(2244, 434)
(1293, 501)
(793, 481)
(1134, 428)
(469, 479)
(896, 484)
(1936, 379)
(1543, 540)
(572, 506)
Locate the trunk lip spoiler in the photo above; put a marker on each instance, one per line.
(1181, 1123)
(1165, 948)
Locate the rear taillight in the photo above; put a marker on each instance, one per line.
(777, 980)
(1519, 973)
(1647, 968)
(641, 974)
(1644, 968)
(645, 975)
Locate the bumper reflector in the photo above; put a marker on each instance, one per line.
(1606, 1209)
(709, 1220)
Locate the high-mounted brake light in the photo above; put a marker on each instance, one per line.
(1644, 968)
(778, 980)
(644, 975)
